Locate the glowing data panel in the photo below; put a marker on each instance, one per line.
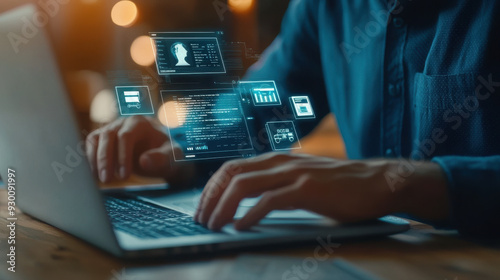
(208, 124)
(188, 53)
(282, 135)
(302, 107)
(134, 100)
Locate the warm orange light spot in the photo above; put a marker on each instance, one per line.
(240, 5)
(167, 112)
(142, 52)
(124, 13)
(103, 108)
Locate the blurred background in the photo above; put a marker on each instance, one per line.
(98, 42)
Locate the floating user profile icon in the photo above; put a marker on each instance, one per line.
(282, 135)
(134, 100)
(180, 52)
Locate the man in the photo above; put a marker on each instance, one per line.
(414, 86)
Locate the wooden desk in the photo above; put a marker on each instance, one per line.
(44, 252)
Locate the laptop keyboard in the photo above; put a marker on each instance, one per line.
(146, 220)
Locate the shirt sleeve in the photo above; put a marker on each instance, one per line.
(474, 189)
(293, 60)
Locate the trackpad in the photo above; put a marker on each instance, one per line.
(187, 203)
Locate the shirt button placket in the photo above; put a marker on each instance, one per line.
(393, 105)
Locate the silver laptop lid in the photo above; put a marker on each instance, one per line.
(39, 136)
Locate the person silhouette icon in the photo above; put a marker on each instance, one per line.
(179, 50)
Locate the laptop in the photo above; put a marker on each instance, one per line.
(39, 138)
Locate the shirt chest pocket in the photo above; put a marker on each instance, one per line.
(463, 110)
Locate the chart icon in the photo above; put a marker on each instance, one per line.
(264, 93)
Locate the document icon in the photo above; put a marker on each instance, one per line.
(302, 107)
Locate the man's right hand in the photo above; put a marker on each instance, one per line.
(135, 145)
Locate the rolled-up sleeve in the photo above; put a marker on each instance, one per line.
(474, 189)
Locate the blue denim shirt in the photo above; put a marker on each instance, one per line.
(415, 80)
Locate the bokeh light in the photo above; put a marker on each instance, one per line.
(142, 52)
(167, 111)
(240, 5)
(124, 13)
(103, 108)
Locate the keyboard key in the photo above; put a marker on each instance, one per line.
(145, 220)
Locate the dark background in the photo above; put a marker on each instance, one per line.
(93, 51)
(86, 39)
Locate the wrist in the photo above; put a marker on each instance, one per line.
(424, 192)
